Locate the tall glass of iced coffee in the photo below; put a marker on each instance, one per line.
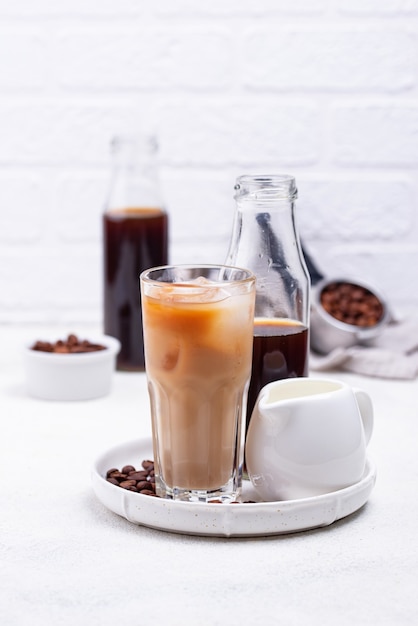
(198, 336)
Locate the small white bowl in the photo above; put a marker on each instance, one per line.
(81, 376)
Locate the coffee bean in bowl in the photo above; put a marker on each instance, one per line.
(71, 345)
(351, 303)
(71, 368)
(345, 313)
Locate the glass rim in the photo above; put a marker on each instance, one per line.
(248, 277)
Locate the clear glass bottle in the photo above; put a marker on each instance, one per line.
(135, 238)
(265, 240)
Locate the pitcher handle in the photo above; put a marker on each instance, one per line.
(366, 411)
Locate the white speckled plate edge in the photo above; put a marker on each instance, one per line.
(222, 520)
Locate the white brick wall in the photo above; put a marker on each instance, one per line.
(324, 89)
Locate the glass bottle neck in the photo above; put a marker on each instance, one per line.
(264, 222)
(265, 239)
(264, 231)
(134, 179)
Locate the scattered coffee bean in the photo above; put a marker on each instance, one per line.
(141, 481)
(139, 476)
(125, 484)
(351, 304)
(72, 345)
(143, 484)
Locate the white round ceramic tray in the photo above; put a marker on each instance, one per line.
(222, 520)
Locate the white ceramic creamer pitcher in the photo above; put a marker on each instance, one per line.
(307, 437)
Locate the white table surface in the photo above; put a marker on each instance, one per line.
(66, 560)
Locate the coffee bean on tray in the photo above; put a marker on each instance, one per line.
(140, 481)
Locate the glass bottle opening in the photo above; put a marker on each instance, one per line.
(265, 187)
(134, 146)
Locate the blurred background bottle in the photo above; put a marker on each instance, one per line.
(265, 240)
(135, 237)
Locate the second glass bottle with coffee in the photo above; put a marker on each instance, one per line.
(135, 237)
(265, 239)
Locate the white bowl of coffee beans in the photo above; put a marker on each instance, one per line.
(345, 313)
(70, 369)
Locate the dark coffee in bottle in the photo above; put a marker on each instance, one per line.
(135, 239)
(280, 350)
